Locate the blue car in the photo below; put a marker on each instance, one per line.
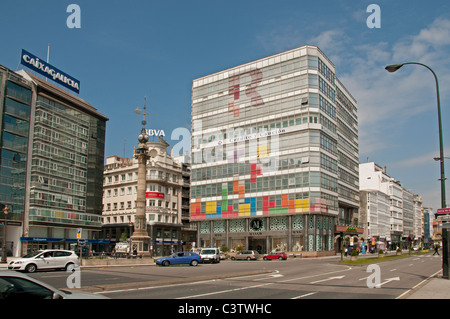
(188, 258)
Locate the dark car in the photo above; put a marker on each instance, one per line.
(280, 255)
(19, 287)
(188, 258)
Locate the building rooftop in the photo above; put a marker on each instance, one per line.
(69, 98)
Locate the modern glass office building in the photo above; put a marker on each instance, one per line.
(274, 155)
(15, 109)
(52, 157)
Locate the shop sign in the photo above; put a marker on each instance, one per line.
(151, 132)
(154, 195)
(49, 71)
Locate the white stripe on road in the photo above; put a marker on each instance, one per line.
(225, 291)
(305, 295)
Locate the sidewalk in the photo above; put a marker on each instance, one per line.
(434, 287)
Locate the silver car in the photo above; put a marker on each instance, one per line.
(246, 255)
(45, 259)
(18, 286)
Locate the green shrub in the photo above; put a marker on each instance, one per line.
(354, 252)
(224, 249)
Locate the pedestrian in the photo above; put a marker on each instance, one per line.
(436, 250)
(346, 252)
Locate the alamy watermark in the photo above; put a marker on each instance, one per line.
(374, 19)
(74, 279)
(74, 19)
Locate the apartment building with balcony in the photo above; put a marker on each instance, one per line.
(390, 213)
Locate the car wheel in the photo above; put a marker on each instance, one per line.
(280, 258)
(30, 268)
(233, 258)
(194, 263)
(248, 258)
(69, 266)
(265, 258)
(165, 263)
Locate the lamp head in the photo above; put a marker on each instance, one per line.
(393, 67)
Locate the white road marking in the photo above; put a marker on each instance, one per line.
(305, 295)
(326, 279)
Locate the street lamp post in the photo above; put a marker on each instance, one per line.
(445, 254)
(4, 257)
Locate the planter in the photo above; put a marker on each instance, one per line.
(380, 255)
(354, 258)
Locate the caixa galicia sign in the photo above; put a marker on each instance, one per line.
(36, 64)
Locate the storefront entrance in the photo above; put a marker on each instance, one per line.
(258, 244)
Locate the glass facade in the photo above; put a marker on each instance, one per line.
(16, 110)
(265, 145)
(59, 172)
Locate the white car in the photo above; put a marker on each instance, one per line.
(210, 254)
(17, 286)
(45, 259)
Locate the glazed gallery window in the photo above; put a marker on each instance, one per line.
(15, 142)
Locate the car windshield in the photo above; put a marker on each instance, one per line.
(32, 254)
(208, 251)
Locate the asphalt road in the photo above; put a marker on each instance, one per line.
(319, 278)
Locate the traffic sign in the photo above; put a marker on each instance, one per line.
(442, 211)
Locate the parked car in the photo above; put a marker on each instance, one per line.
(45, 259)
(211, 255)
(18, 286)
(280, 255)
(188, 258)
(246, 255)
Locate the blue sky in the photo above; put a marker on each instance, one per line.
(127, 50)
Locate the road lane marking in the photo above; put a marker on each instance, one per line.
(152, 287)
(364, 278)
(225, 291)
(326, 279)
(305, 295)
(311, 276)
(387, 281)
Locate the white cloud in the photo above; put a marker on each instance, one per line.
(386, 100)
(418, 161)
